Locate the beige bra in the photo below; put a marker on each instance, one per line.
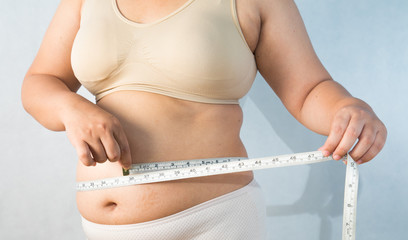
(196, 53)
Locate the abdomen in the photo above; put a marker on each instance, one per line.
(161, 128)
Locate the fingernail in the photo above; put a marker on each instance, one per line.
(125, 172)
(325, 153)
(336, 157)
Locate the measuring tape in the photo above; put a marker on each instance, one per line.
(167, 171)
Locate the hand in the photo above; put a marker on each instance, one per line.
(96, 135)
(354, 122)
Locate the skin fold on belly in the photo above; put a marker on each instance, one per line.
(161, 128)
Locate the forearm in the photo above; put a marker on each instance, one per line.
(323, 102)
(46, 98)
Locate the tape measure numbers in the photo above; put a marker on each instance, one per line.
(167, 171)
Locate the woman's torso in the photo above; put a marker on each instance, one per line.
(162, 128)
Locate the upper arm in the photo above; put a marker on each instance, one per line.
(54, 55)
(285, 56)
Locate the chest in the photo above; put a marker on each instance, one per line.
(145, 12)
(194, 38)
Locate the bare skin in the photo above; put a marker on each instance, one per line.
(110, 135)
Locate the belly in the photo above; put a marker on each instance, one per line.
(161, 128)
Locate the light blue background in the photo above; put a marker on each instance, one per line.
(363, 44)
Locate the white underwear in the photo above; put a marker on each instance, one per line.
(238, 215)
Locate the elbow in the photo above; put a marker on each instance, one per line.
(24, 96)
(311, 92)
(30, 103)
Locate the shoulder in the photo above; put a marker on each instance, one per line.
(270, 8)
(75, 5)
(72, 2)
(273, 14)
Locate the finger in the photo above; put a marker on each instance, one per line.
(125, 158)
(364, 143)
(352, 133)
(84, 154)
(337, 130)
(374, 149)
(97, 150)
(112, 149)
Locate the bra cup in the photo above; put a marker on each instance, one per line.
(193, 57)
(94, 55)
(210, 61)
